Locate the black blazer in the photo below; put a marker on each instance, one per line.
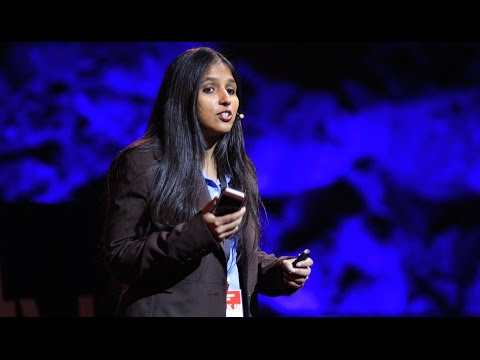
(179, 271)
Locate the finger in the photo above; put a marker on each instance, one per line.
(299, 280)
(223, 226)
(301, 272)
(210, 205)
(287, 265)
(297, 273)
(305, 263)
(292, 283)
(228, 218)
(227, 234)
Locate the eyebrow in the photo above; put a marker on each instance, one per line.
(231, 80)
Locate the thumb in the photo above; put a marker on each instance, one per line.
(210, 205)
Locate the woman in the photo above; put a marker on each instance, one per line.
(173, 256)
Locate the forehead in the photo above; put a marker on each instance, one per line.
(218, 70)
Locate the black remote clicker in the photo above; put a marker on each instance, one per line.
(302, 256)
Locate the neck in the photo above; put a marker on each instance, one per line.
(209, 165)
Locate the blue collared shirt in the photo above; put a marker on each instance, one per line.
(214, 189)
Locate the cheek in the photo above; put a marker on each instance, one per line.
(202, 113)
(203, 110)
(236, 103)
(205, 106)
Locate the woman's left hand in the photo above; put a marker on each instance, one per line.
(296, 276)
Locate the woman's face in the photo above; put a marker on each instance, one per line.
(217, 102)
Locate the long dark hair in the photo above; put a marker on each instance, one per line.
(174, 129)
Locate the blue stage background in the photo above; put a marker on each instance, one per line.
(367, 154)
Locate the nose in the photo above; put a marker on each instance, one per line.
(224, 98)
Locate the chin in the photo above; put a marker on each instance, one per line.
(224, 128)
(217, 133)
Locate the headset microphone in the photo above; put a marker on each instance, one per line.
(241, 116)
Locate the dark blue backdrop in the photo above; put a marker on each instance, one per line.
(367, 153)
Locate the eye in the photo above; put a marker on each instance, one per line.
(231, 91)
(208, 89)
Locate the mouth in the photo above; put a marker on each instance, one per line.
(225, 115)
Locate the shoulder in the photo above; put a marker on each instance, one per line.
(140, 156)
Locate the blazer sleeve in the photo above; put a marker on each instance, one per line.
(270, 275)
(132, 248)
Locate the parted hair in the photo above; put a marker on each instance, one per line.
(174, 129)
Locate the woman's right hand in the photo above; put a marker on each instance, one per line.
(221, 227)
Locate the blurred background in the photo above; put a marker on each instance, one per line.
(367, 154)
